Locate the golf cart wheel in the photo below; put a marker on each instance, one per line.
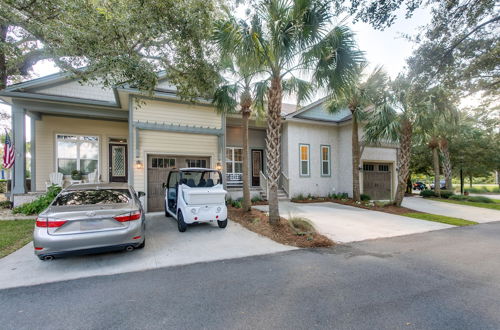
(166, 212)
(222, 224)
(181, 225)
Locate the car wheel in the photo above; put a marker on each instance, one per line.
(222, 224)
(143, 244)
(166, 212)
(181, 225)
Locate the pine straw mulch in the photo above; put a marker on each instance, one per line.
(258, 222)
(389, 208)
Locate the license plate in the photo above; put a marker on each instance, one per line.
(91, 225)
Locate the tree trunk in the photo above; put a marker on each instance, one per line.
(470, 180)
(435, 163)
(247, 202)
(3, 60)
(403, 161)
(446, 162)
(273, 150)
(356, 194)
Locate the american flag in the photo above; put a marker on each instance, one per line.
(8, 152)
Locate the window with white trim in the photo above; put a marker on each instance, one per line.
(304, 160)
(234, 160)
(325, 160)
(77, 152)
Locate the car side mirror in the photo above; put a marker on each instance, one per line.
(141, 194)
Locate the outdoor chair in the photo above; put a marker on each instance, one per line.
(55, 178)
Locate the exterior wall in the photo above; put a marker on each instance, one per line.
(78, 90)
(344, 160)
(314, 135)
(173, 143)
(49, 126)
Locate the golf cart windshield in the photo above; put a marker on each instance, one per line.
(201, 179)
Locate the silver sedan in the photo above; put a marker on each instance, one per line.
(91, 218)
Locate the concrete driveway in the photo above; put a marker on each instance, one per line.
(165, 246)
(342, 223)
(471, 213)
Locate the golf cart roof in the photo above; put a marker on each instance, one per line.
(197, 169)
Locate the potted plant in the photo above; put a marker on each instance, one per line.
(76, 175)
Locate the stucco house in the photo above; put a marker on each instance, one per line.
(121, 135)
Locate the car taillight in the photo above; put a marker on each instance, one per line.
(128, 216)
(48, 223)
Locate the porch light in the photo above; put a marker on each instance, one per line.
(139, 165)
(218, 167)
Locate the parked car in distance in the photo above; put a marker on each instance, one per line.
(442, 184)
(419, 186)
(195, 195)
(91, 218)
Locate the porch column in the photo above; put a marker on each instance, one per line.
(19, 140)
(33, 153)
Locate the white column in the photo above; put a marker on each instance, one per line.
(19, 140)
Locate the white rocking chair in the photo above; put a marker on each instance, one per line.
(93, 177)
(55, 178)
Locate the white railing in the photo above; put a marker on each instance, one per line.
(285, 183)
(234, 179)
(263, 183)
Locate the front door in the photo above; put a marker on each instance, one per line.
(257, 164)
(118, 163)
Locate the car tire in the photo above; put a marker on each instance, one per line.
(166, 212)
(222, 224)
(181, 225)
(142, 245)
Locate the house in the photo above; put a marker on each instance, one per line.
(128, 137)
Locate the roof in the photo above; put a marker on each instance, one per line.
(196, 169)
(317, 111)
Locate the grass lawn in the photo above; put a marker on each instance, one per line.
(14, 234)
(493, 206)
(440, 218)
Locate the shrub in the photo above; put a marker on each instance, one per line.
(236, 204)
(5, 204)
(39, 204)
(256, 199)
(458, 198)
(427, 193)
(479, 199)
(301, 226)
(298, 197)
(447, 193)
(365, 197)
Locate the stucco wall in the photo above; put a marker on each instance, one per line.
(49, 126)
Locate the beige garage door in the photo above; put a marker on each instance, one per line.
(159, 166)
(377, 180)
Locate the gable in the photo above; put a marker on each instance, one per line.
(319, 112)
(75, 89)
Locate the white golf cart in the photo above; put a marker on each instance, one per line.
(195, 195)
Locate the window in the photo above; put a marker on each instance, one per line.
(368, 167)
(160, 162)
(75, 152)
(304, 159)
(92, 197)
(325, 161)
(383, 168)
(234, 160)
(196, 163)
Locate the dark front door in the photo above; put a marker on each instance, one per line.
(118, 163)
(257, 165)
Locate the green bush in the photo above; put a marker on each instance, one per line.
(256, 199)
(301, 226)
(479, 199)
(39, 204)
(483, 189)
(298, 197)
(236, 203)
(365, 197)
(5, 204)
(427, 193)
(458, 198)
(447, 193)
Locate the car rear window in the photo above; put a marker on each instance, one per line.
(91, 197)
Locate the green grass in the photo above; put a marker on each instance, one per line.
(494, 206)
(440, 218)
(14, 234)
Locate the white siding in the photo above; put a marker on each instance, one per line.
(75, 89)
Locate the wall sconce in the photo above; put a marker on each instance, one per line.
(139, 165)
(360, 167)
(218, 167)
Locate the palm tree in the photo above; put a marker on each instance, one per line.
(360, 97)
(289, 37)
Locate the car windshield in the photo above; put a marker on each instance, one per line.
(201, 179)
(92, 197)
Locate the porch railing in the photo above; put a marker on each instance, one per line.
(263, 183)
(284, 183)
(234, 179)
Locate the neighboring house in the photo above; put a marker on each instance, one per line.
(129, 137)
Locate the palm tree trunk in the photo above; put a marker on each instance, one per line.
(356, 195)
(403, 161)
(273, 147)
(247, 203)
(435, 162)
(446, 163)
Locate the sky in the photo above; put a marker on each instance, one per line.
(387, 48)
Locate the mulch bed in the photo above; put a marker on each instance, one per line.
(258, 222)
(386, 208)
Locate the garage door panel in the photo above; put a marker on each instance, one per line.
(377, 183)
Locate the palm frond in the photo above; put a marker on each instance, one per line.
(225, 98)
(300, 87)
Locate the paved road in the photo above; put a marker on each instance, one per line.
(446, 279)
(478, 214)
(342, 223)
